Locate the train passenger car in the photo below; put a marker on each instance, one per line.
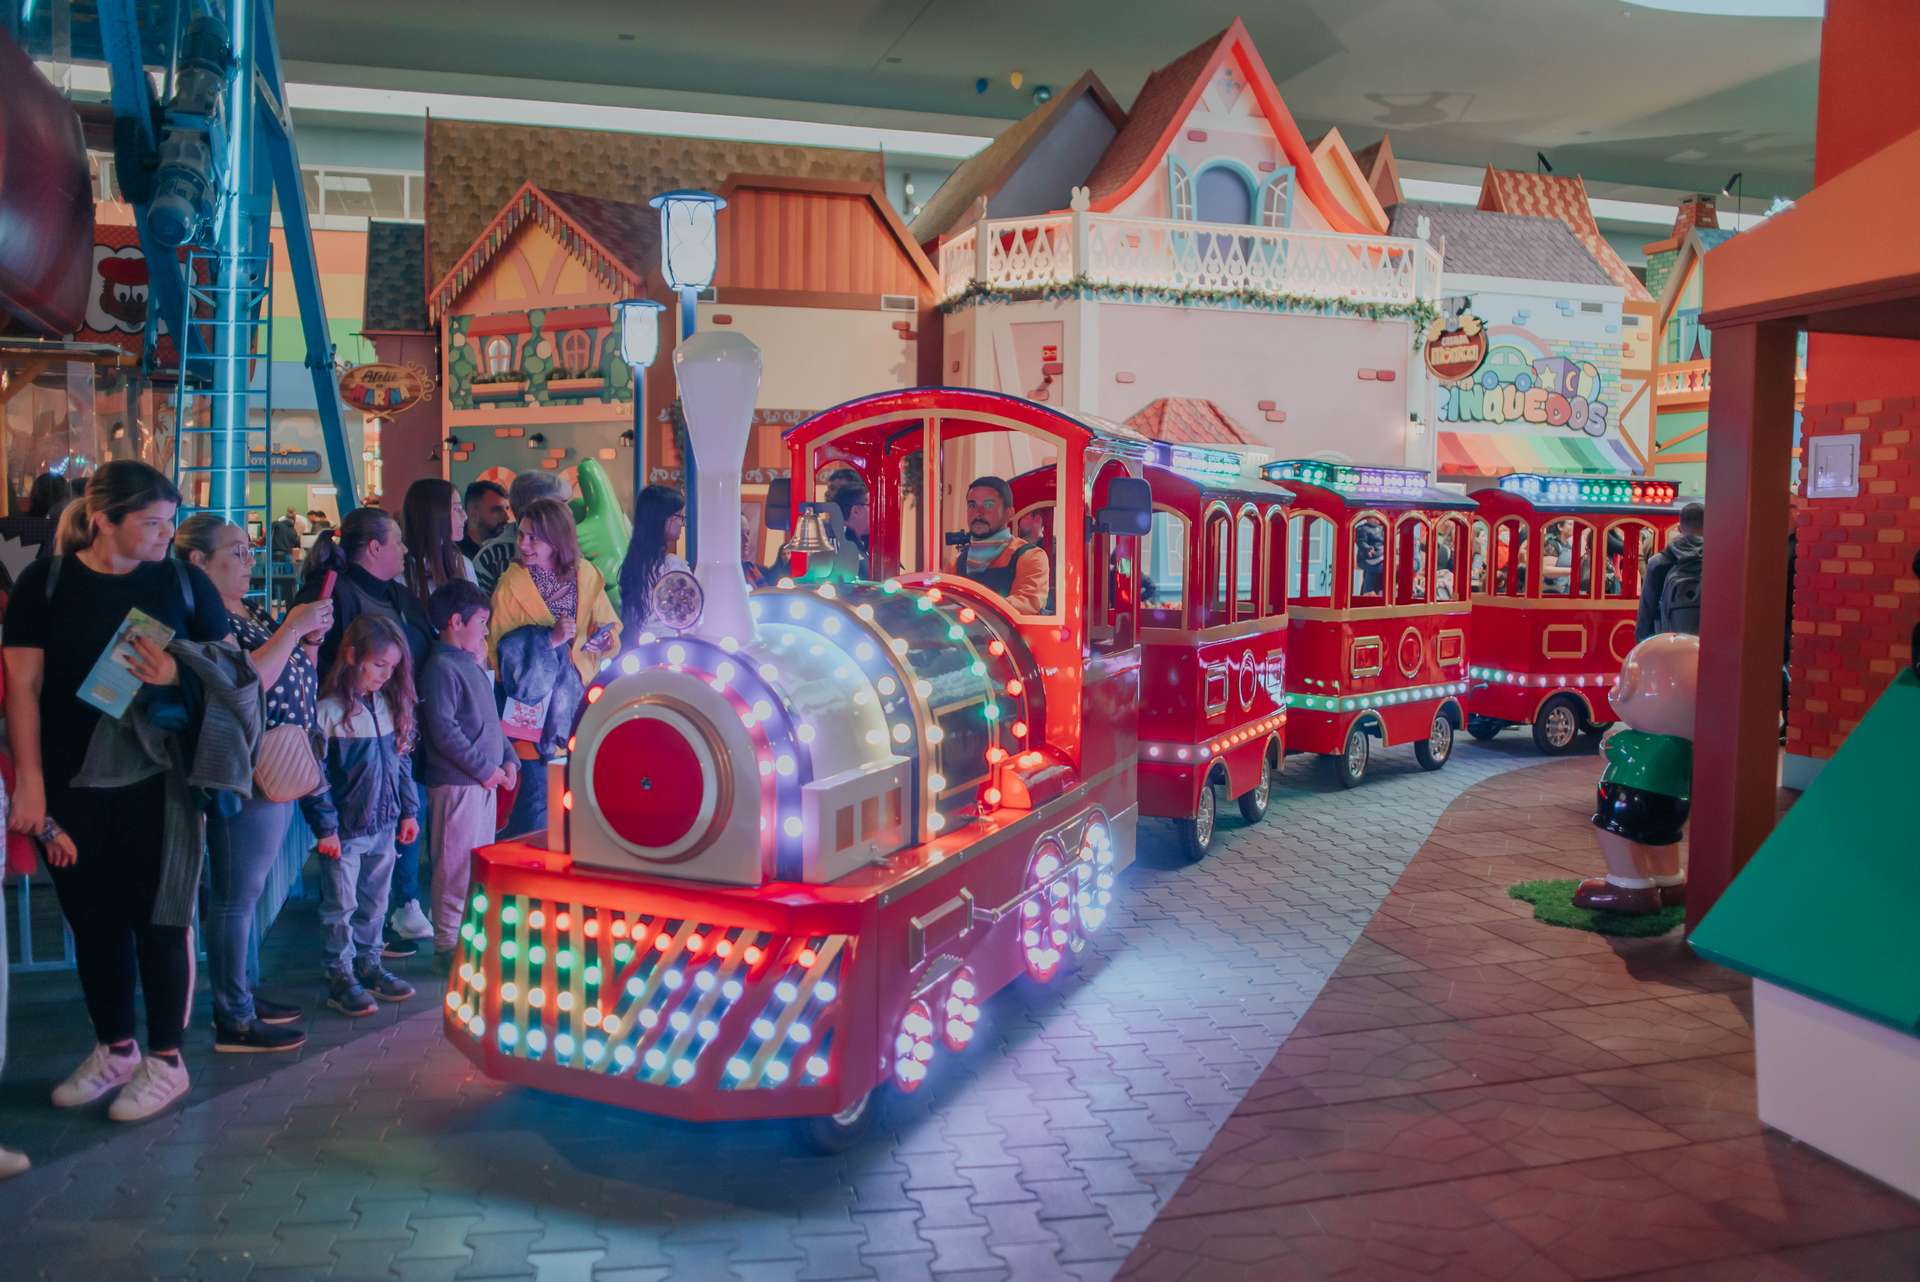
(1378, 615)
(1556, 573)
(1214, 633)
(804, 834)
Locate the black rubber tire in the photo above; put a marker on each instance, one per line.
(1436, 749)
(1349, 766)
(1196, 834)
(1257, 800)
(1484, 728)
(830, 1135)
(1556, 729)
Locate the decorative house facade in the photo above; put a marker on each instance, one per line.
(1527, 353)
(1683, 349)
(1194, 247)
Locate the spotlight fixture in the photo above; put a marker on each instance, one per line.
(1541, 164)
(453, 442)
(1736, 187)
(537, 441)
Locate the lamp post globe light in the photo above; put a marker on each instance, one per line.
(639, 344)
(689, 255)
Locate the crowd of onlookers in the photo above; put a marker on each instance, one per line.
(401, 702)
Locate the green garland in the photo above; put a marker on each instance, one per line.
(1420, 312)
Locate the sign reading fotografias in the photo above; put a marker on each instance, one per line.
(385, 389)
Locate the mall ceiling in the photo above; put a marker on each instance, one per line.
(1623, 91)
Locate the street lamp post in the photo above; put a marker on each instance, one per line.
(639, 344)
(689, 253)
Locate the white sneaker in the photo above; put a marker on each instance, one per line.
(155, 1085)
(12, 1164)
(409, 922)
(99, 1074)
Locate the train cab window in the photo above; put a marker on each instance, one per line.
(1566, 558)
(1369, 562)
(1111, 579)
(1629, 544)
(1246, 569)
(1218, 571)
(1448, 539)
(1480, 558)
(1410, 562)
(1310, 560)
(1278, 565)
(1163, 575)
(1510, 540)
(987, 479)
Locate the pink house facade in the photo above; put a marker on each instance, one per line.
(1194, 247)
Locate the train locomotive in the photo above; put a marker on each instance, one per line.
(804, 833)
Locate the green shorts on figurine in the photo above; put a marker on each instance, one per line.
(1641, 810)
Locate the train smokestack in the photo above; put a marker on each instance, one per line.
(719, 378)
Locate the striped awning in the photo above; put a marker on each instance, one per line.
(1496, 454)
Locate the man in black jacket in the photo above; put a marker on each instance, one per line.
(1678, 610)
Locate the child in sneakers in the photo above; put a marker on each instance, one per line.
(464, 757)
(363, 728)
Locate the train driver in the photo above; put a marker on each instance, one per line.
(994, 557)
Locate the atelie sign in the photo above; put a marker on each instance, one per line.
(385, 389)
(1453, 354)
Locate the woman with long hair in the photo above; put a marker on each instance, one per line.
(432, 525)
(105, 846)
(242, 847)
(658, 518)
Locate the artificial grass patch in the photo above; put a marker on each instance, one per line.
(1553, 903)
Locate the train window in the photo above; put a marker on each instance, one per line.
(1246, 561)
(1410, 561)
(1277, 565)
(1480, 536)
(1447, 542)
(1369, 561)
(1112, 581)
(1510, 558)
(986, 477)
(1310, 565)
(1629, 544)
(1566, 558)
(1163, 582)
(1219, 572)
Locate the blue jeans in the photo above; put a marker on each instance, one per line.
(529, 813)
(241, 851)
(406, 865)
(353, 903)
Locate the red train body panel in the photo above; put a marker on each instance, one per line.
(1548, 645)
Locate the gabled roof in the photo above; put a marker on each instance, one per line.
(871, 194)
(1509, 191)
(1343, 173)
(1694, 211)
(614, 238)
(1696, 242)
(987, 170)
(396, 297)
(1169, 97)
(1381, 169)
(1187, 420)
(1474, 242)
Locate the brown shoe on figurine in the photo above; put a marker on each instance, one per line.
(1674, 896)
(1601, 895)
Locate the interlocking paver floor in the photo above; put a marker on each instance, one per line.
(1043, 1152)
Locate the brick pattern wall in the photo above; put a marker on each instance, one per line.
(1855, 597)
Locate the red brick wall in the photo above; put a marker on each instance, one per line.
(1855, 597)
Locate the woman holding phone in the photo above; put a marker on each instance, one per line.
(242, 847)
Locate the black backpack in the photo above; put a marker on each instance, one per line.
(1680, 597)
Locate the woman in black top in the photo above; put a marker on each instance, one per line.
(242, 847)
(104, 844)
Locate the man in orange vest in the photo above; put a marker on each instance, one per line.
(993, 557)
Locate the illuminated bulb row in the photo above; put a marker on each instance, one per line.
(1205, 751)
(1374, 699)
(913, 1046)
(1539, 680)
(1095, 874)
(960, 1011)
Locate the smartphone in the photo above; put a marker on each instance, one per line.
(602, 637)
(326, 584)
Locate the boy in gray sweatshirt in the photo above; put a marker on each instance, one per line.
(463, 756)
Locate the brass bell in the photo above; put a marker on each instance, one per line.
(812, 534)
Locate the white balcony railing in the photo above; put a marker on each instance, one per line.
(1162, 254)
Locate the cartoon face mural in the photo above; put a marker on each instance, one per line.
(119, 298)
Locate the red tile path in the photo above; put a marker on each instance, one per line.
(1478, 1095)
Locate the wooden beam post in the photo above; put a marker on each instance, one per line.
(1744, 605)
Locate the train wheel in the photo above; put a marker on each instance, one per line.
(840, 1132)
(1433, 751)
(1254, 801)
(1349, 765)
(1196, 834)
(1050, 929)
(1557, 726)
(1484, 728)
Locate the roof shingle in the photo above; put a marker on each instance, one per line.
(396, 297)
(1476, 242)
(1187, 420)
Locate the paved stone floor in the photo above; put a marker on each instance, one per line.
(1045, 1151)
(1479, 1095)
